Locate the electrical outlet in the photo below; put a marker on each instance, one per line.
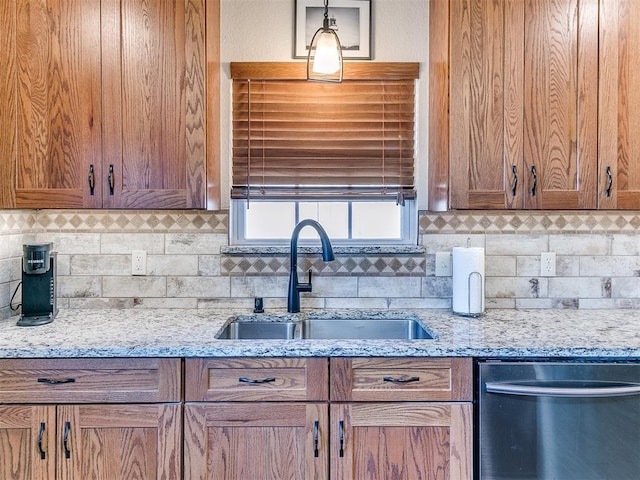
(548, 264)
(443, 264)
(138, 262)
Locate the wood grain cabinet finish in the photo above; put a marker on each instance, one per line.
(256, 379)
(619, 105)
(384, 418)
(103, 104)
(42, 438)
(523, 104)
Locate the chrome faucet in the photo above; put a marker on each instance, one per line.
(293, 301)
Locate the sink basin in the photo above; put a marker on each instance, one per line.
(381, 329)
(325, 327)
(238, 330)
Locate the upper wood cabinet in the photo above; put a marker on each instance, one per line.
(619, 105)
(103, 104)
(523, 104)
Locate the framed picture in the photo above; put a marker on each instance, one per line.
(350, 18)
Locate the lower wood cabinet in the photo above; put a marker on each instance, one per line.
(385, 418)
(66, 439)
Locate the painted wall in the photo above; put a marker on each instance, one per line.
(262, 31)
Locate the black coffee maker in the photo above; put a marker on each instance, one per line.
(39, 305)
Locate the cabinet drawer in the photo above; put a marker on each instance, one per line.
(90, 380)
(250, 379)
(401, 379)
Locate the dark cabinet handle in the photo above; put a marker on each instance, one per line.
(514, 184)
(316, 435)
(54, 381)
(112, 180)
(43, 455)
(341, 437)
(607, 192)
(65, 440)
(92, 180)
(401, 379)
(535, 180)
(257, 380)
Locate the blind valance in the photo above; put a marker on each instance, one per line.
(292, 137)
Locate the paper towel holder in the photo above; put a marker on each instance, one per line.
(469, 313)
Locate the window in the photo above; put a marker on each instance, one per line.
(340, 153)
(346, 222)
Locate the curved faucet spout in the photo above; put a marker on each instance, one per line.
(293, 301)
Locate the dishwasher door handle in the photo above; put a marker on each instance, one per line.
(608, 389)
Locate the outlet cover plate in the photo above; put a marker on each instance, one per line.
(548, 264)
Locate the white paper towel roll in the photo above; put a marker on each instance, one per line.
(468, 280)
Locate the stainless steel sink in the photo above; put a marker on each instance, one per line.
(257, 330)
(340, 328)
(323, 327)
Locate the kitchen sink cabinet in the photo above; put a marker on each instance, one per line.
(52, 428)
(375, 418)
(103, 104)
(523, 104)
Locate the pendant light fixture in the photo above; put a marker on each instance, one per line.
(324, 61)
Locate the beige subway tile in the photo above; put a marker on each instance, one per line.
(227, 303)
(435, 287)
(100, 303)
(516, 244)
(74, 286)
(174, 265)
(610, 266)
(134, 286)
(268, 286)
(499, 303)
(388, 287)
(124, 243)
(100, 264)
(359, 303)
(516, 287)
(209, 265)
(70, 243)
(500, 265)
(198, 287)
(331, 287)
(10, 269)
(580, 244)
(195, 243)
(400, 303)
(434, 243)
(625, 244)
(577, 287)
(624, 287)
(177, 303)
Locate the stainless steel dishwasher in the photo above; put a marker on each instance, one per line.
(558, 420)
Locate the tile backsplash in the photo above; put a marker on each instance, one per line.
(190, 264)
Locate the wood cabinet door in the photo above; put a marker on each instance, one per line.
(619, 105)
(27, 442)
(247, 441)
(50, 103)
(120, 442)
(153, 86)
(523, 97)
(397, 441)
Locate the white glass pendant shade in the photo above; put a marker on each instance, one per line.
(324, 61)
(327, 55)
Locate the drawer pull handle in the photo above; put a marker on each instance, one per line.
(341, 437)
(316, 435)
(607, 192)
(65, 439)
(111, 179)
(401, 379)
(257, 380)
(535, 180)
(92, 180)
(53, 381)
(43, 455)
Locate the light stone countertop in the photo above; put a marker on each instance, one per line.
(191, 333)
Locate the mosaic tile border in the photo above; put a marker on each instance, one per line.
(529, 222)
(202, 221)
(131, 221)
(351, 265)
(16, 221)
